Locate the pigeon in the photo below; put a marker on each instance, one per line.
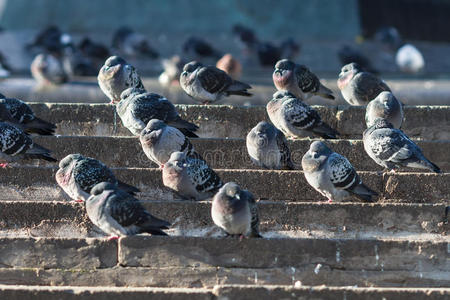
(295, 118)
(115, 76)
(50, 40)
(235, 211)
(230, 65)
(209, 84)
(298, 80)
(159, 141)
(268, 53)
(389, 37)
(268, 148)
(118, 213)
(332, 175)
(75, 63)
(391, 148)
(197, 48)
(348, 55)
(290, 49)
(16, 145)
(409, 59)
(359, 87)
(246, 37)
(94, 51)
(21, 115)
(132, 44)
(77, 175)
(47, 69)
(172, 71)
(385, 106)
(189, 177)
(137, 107)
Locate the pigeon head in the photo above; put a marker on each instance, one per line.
(187, 76)
(385, 97)
(231, 189)
(177, 160)
(263, 132)
(283, 73)
(114, 61)
(318, 149)
(151, 133)
(192, 66)
(347, 73)
(66, 161)
(103, 186)
(5, 115)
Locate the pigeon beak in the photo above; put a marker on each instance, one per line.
(278, 72)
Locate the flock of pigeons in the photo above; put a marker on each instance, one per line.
(164, 137)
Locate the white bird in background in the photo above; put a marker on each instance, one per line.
(409, 59)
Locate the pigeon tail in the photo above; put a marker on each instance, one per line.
(187, 128)
(364, 193)
(431, 166)
(325, 93)
(238, 88)
(39, 126)
(39, 152)
(325, 131)
(127, 188)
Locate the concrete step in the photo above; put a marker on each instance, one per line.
(196, 252)
(190, 218)
(219, 153)
(425, 122)
(219, 292)
(210, 276)
(409, 91)
(38, 183)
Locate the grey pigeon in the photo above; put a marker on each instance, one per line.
(137, 107)
(16, 145)
(359, 87)
(209, 84)
(172, 71)
(115, 76)
(268, 148)
(235, 211)
(118, 213)
(298, 80)
(133, 44)
(295, 118)
(391, 148)
(332, 175)
(159, 141)
(197, 48)
(409, 59)
(385, 106)
(48, 70)
(189, 177)
(77, 175)
(20, 115)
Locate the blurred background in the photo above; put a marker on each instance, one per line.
(322, 34)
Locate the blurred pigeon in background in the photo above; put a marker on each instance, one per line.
(298, 80)
(385, 106)
(290, 49)
(230, 65)
(132, 44)
(268, 148)
(209, 84)
(48, 70)
(332, 175)
(391, 148)
(359, 87)
(349, 55)
(196, 48)
(295, 118)
(118, 213)
(409, 59)
(137, 107)
(189, 177)
(172, 71)
(235, 211)
(77, 175)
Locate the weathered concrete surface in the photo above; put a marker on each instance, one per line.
(289, 292)
(38, 183)
(100, 293)
(57, 253)
(207, 277)
(429, 123)
(348, 254)
(352, 220)
(219, 153)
